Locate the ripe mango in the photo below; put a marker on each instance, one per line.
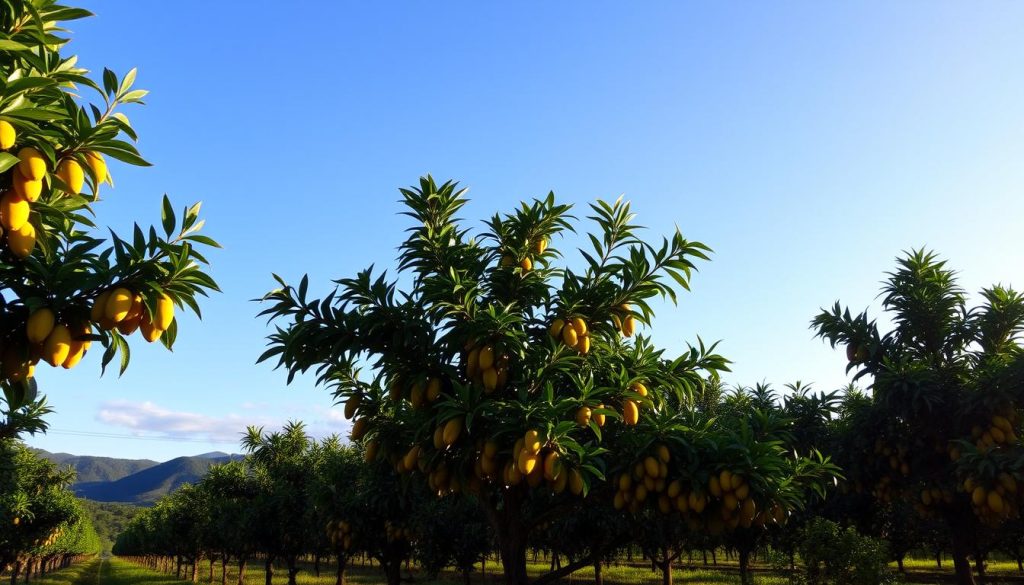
(486, 357)
(628, 326)
(630, 412)
(98, 166)
(28, 189)
(71, 173)
(569, 336)
(452, 430)
(119, 303)
(552, 466)
(583, 345)
(22, 241)
(351, 405)
(556, 328)
(490, 380)
(583, 416)
(663, 454)
(149, 331)
(526, 264)
(57, 346)
(639, 388)
(651, 466)
(539, 245)
(725, 480)
(580, 326)
(599, 417)
(531, 441)
(32, 163)
(433, 389)
(575, 482)
(359, 429)
(40, 324)
(164, 315)
(129, 324)
(526, 462)
(7, 135)
(14, 211)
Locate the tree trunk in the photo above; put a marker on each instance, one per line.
(598, 575)
(1020, 564)
(961, 566)
(316, 565)
(211, 568)
(899, 565)
(666, 571)
(714, 558)
(15, 571)
(177, 572)
(704, 552)
(938, 559)
(393, 571)
(744, 566)
(268, 568)
(292, 569)
(241, 570)
(339, 576)
(979, 564)
(195, 569)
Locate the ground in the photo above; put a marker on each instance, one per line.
(115, 571)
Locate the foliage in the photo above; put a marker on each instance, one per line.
(831, 554)
(40, 516)
(64, 284)
(499, 374)
(941, 428)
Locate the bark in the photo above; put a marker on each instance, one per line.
(241, 571)
(195, 570)
(598, 575)
(1020, 564)
(979, 564)
(393, 571)
(293, 569)
(211, 568)
(744, 566)
(268, 578)
(961, 566)
(339, 576)
(177, 572)
(899, 565)
(223, 569)
(316, 565)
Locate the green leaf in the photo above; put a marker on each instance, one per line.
(7, 160)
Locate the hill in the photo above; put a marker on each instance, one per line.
(95, 469)
(140, 482)
(148, 485)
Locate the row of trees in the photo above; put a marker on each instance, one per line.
(294, 498)
(42, 524)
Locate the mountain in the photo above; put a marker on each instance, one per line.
(93, 469)
(139, 482)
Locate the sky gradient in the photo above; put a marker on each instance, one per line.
(808, 144)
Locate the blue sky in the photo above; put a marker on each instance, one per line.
(807, 143)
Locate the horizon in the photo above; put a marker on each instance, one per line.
(808, 147)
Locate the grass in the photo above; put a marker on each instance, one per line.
(116, 571)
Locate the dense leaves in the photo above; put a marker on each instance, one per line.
(66, 282)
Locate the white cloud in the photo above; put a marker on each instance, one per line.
(150, 418)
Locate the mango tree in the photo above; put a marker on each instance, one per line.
(942, 427)
(64, 283)
(283, 463)
(485, 367)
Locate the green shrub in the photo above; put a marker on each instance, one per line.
(832, 554)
